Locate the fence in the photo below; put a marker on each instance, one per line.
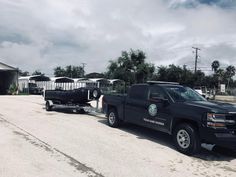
(50, 85)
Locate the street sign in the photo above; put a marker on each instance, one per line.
(222, 88)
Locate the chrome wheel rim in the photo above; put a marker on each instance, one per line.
(112, 118)
(183, 139)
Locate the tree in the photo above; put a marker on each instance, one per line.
(199, 78)
(220, 73)
(210, 81)
(130, 67)
(183, 76)
(175, 73)
(69, 71)
(59, 72)
(215, 65)
(37, 72)
(22, 73)
(95, 75)
(162, 73)
(230, 72)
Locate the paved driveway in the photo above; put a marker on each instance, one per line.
(62, 143)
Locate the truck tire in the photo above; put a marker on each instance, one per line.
(186, 139)
(113, 119)
(48, 106)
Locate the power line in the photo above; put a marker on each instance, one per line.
(196, 58)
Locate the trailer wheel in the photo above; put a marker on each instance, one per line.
(48, 106)
(96, 93)
(80, 111)
(113, 119)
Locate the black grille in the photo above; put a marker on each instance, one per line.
(231, 117)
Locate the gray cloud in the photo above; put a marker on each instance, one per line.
(195, 3)
(44, 34)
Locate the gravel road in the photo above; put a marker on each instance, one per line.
(36, 143)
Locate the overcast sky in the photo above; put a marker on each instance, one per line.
(43, 34)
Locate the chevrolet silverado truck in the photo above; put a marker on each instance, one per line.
(176, 110)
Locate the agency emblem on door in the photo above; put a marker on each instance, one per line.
(152, 109)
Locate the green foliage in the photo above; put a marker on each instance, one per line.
(230, 72)
(69, 71)
(37, 72)
(23, 73)
(215, 65)
(130, 67)
(13, 89)
(220, 74)
(95, 75)
(59, 72)
(183, 76)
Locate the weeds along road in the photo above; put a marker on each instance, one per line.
(38, 143)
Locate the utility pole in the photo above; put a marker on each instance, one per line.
(83, 66)
(196, 58)
(185, 70)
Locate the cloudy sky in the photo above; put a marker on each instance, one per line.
(43, 34)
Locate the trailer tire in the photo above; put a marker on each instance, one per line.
(48, 106)
(113, 119)
(80, 111)
(96, 93)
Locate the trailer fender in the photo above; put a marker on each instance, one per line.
(50, 102)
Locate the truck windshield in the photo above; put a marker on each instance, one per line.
(181, 94)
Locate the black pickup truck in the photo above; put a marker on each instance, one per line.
(176, 110)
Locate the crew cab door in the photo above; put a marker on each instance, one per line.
(158, 110)
(136, 104)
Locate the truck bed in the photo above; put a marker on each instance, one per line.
(118, 101)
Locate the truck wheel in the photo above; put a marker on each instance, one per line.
(186, 139)
(48, 106)
(113, 120)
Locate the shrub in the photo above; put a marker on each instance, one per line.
(13, 89)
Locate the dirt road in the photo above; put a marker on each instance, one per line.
(59, 144)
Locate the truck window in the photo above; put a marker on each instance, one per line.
(180, 94)
(138, 92)
(156, 93)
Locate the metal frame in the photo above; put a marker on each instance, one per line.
(162, 82)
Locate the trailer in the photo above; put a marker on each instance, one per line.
(77, 99)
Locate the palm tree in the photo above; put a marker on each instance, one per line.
(220, 74)
(215, 65)
(230, 72)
